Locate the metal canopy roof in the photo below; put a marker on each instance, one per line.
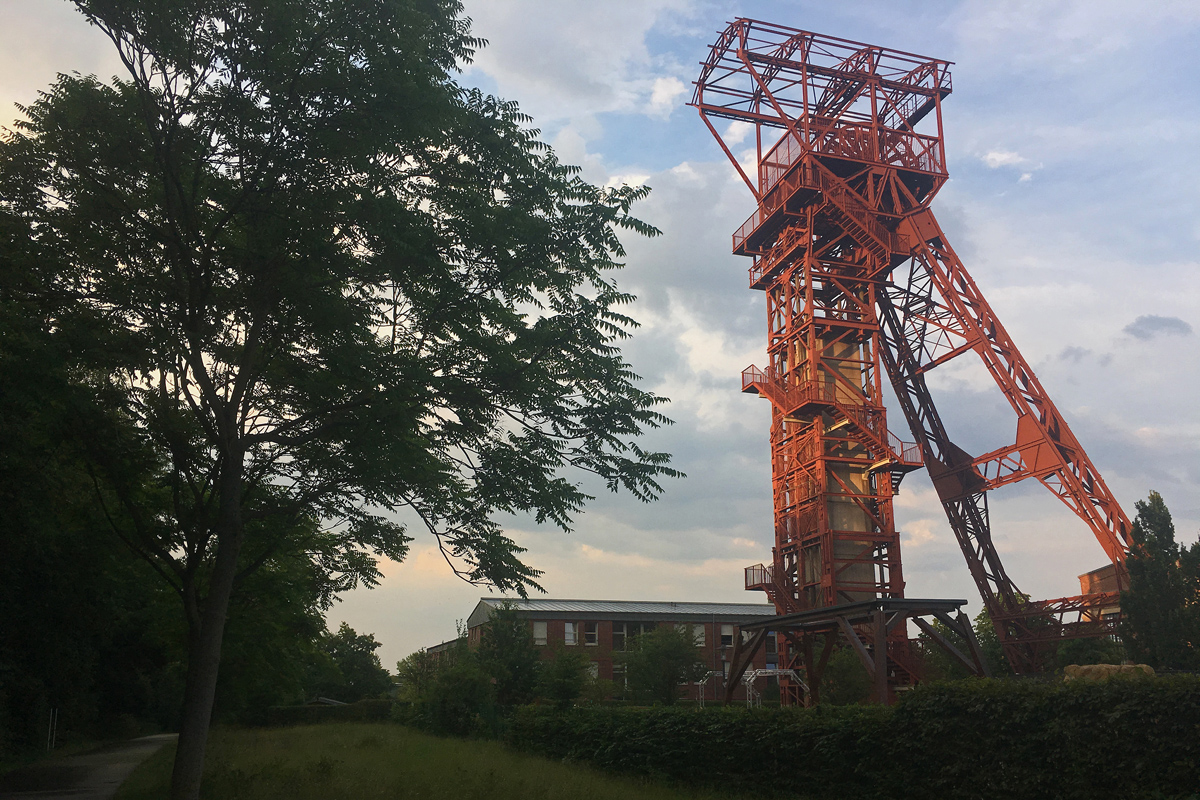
(549, 608)
(857, 612)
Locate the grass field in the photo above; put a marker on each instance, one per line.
(350, 761)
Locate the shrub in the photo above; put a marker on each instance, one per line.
(968, 739)
(563, 678)
(663, 659)
(362, 711)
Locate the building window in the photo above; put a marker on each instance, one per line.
(594, 669)
(623, 633)
(590, 637)
(697, 632)
(539, 633)
(569, 633)
(619, 676)
(772, 643)
(726, 636)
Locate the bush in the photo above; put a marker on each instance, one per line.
(563, 678)
(1126, 738)
(362, 711)
(461, 702)
(661, 660)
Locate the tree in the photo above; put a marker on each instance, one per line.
(661, 660)
(508, 655)
(1160, 611)
(84, 629)
(360, 675)
(563, 679)
(1094, 650)
(417, 672)
(845, 680)
(325, 284)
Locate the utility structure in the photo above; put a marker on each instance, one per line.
(860, 282)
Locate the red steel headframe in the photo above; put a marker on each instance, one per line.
(849, 154)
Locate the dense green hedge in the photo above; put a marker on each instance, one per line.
(362, 711)
(1124, 738)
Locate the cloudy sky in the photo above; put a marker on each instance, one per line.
(1073, 139)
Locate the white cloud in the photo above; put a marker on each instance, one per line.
(664, 96)
(565, 58)
(1001, 158)
(737, 132)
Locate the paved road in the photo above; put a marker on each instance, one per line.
(94, 775)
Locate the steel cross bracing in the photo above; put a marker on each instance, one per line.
(861, 281)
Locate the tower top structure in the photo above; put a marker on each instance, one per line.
(836, 98)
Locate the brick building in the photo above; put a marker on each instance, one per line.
(605, 628)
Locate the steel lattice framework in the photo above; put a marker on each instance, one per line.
(861, 282)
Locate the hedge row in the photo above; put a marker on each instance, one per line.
(1123, 738)
(362, 711)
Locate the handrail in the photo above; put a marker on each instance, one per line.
(863, 140)
(814, 175)
(790, 397)
(759, 575)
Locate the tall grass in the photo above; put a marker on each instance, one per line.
(351, 761)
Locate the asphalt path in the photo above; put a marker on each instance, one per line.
(94, 775)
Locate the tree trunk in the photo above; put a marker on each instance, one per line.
(204, 644)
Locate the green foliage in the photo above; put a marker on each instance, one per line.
(354, 761)
(966, 739)
(989, 644)
(1102, 650)
(359, 673)
(845, 680)
(86, 626)
(564, 678)
(361, 711)
(508, 656)
(461, 702)
(417, 672)
(449, 692)
(316, 282)
(661, 660)
(1160, 611)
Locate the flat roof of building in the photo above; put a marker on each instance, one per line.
(621, 610)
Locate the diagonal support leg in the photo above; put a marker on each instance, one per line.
(742, 658)
(948, 646)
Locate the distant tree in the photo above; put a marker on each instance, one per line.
(936, 663)
(564, 678)
(461, 701)
(324, 283)
(417, 672)
(360, 675)
(1160, 611)
(1095, 650)
(509, 656)
(663, 659)
(273, 652)
(845, 680)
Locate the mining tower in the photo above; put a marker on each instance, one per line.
(862, 285)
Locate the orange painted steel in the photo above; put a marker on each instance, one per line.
(861, 281)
